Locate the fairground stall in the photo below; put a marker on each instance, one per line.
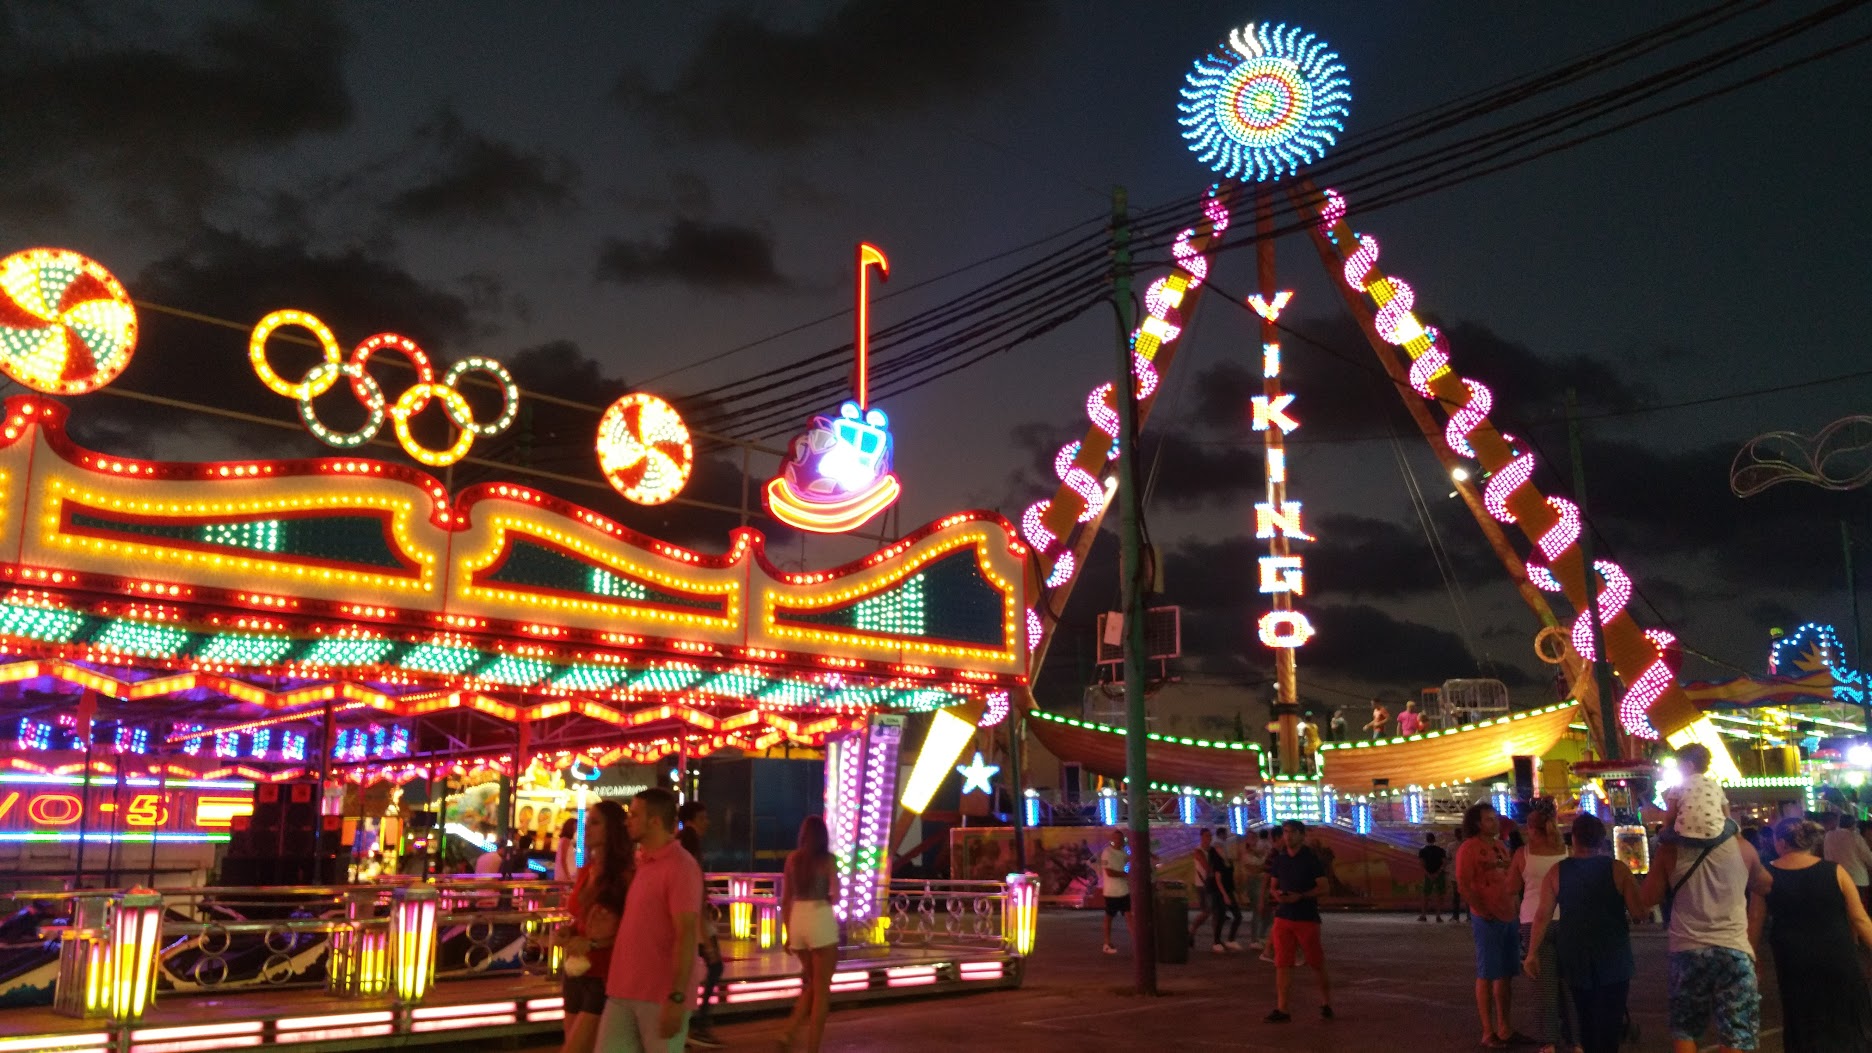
(223, 679)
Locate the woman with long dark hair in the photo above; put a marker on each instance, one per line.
(1817, 915)
(807, 889)
(596, 904)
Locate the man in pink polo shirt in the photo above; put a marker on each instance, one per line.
(651, 983)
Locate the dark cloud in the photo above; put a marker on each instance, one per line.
(1651, 503)
(1354, 556)
(1368, 644)
(1773, 613)
(1354, 642)
(762, 87)
(93, 92)
(716, 256)
(478, 180)
(1344, 394)
(682, 193)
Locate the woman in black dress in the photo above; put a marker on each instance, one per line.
(1825, 1004)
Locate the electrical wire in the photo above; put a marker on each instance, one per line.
(1457, 166)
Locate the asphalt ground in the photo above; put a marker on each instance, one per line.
(1398, 985)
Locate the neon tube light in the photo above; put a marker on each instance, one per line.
(106, 837)
(948, 734)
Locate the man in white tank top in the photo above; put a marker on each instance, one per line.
(1713, 923)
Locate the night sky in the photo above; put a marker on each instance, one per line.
(613, 194)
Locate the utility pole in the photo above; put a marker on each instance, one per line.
(1017, 787)
(1131, 572)
(1602, 669)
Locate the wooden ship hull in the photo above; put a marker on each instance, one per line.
(1174, 761)
(1465, 754)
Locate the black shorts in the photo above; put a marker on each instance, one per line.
(1117, 905)
(583, 994)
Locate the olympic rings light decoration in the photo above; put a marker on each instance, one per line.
(644, 449)
(1430, 362)
(67, 326)
(324, 375)
(1264, 103)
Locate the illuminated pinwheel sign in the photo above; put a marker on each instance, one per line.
(1265, 102)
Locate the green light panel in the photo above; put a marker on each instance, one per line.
(39, 623)
(345, 651)
(733, 685)
(145, 639)
(861, 696)
(924, 700)
(898, 612)
(516, 671)
(665, 678)
(245, 649)
(589, 677)
(605, 583)
(791, 693)
(262, 535)
(447, 659)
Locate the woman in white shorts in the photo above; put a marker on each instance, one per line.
(807, 889)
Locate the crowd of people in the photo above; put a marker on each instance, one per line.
(1273, 881)
(642, 955)
(1718, 888)
(1553, 906)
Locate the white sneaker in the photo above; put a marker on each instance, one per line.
(1267, 955)
(1109, 949)
(1232, 945)
(1219, 949)
(1255, 945)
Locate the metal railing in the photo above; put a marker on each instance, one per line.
(944, 914)
(230, 939)
(117, 949)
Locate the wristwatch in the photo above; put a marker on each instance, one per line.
(676, 998)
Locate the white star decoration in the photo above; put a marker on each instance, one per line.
(975, 774)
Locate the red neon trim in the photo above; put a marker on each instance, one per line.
(51, 417)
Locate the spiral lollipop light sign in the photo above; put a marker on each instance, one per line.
(66, 326)
(1265, 102)
(644, 449)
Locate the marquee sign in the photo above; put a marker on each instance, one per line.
(54, 808)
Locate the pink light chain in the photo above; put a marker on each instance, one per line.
(1395, 324)
(1101, 410)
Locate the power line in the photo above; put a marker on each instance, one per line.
(1452, 162)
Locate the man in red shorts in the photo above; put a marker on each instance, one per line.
(1296, 879)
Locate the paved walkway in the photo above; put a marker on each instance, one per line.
(1399, 985)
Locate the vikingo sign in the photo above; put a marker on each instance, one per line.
(1277, 519)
